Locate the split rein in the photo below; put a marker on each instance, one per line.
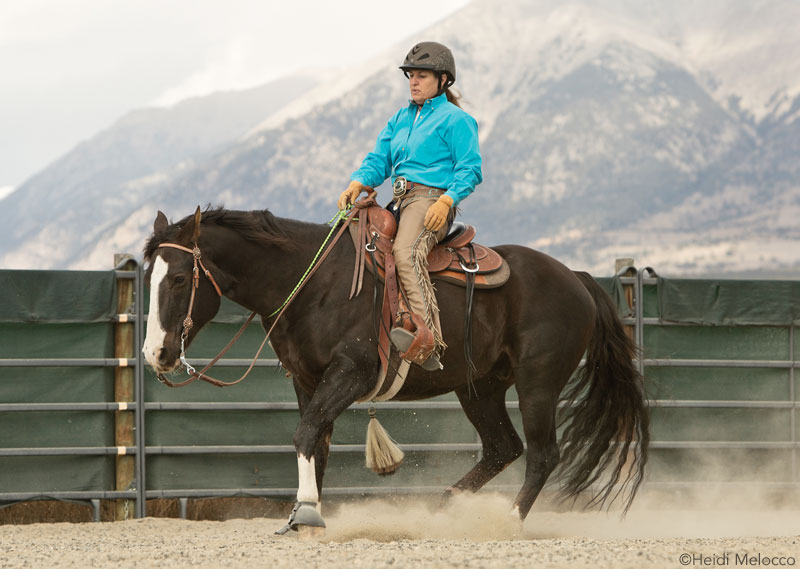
(322, 253)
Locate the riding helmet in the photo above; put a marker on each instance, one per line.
(434, 56)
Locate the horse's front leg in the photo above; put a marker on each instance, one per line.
(323, 448)
(342, 384)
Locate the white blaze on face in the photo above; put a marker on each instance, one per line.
(154, 340)
(307, 480)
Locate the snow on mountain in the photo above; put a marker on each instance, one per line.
(663, 131)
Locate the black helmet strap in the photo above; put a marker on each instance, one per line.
(445, 81)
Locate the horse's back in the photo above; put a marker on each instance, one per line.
(539, 272)
(547, 298)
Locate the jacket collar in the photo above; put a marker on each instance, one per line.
(433, 103)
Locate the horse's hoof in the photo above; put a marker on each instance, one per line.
(304, 515)
(447, 495)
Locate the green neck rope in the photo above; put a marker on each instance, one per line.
(334, 222)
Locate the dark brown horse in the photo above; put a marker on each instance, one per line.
(532, 333)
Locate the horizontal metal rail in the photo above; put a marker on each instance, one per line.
(681, 362)
(443, 447)
(121, 406)
(291, 492)
(68, 362)
(213, 406)
(411, 405)
(236, 362)
(67, 451)
(654, 321)
(724, 444)
(443, 405)
(123, 362)
(68, 495)
(290, 449)
(730, 404)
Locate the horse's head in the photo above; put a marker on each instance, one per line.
(183, 293)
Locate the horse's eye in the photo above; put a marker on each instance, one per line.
(180, 279)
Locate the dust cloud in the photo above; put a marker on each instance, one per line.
(487, 517)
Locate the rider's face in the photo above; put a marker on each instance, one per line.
(423, 85)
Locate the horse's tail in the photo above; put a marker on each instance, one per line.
(606, 418)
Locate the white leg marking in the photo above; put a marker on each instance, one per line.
(154, 340)
(307, 480)
(515, 512)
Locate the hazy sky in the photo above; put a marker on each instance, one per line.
(72, 67)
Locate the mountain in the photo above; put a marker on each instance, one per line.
(666, 132)
(74, 202)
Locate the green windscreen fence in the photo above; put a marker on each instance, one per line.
(56, 314)
(729, 302)
(735, 420)
(741, 407)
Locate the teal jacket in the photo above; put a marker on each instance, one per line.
(439, 150)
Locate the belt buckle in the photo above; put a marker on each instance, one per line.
(400, 187)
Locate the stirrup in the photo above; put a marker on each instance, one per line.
(402, 340)
(432, 363)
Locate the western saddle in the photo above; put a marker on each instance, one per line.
(456, 259)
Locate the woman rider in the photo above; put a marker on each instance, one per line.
(430, 149)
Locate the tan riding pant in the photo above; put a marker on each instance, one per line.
(411, 247)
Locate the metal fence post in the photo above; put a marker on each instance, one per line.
(124, 345)
(625, 268)
(141, 488)
(793, 398)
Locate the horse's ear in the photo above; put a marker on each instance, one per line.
(160, 224)
(191, 231)
(198, 215)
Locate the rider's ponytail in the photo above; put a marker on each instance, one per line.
(453, 97)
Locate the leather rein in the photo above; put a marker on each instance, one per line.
(194, 375)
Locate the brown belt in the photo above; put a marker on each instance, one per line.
(402, 188)
(417, 190)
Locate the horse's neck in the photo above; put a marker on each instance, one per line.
(266, 275)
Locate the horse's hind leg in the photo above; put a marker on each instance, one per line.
(538, 407)
(500, 443)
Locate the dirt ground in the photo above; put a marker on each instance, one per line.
(473, 531)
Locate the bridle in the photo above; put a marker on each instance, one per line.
(194, 375)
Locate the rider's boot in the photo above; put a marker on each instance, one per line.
(415, 341)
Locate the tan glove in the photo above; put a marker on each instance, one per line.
(438, 212)
(350, 194)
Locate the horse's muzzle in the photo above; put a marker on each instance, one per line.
(162, 360)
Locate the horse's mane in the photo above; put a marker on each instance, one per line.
(260, 226)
